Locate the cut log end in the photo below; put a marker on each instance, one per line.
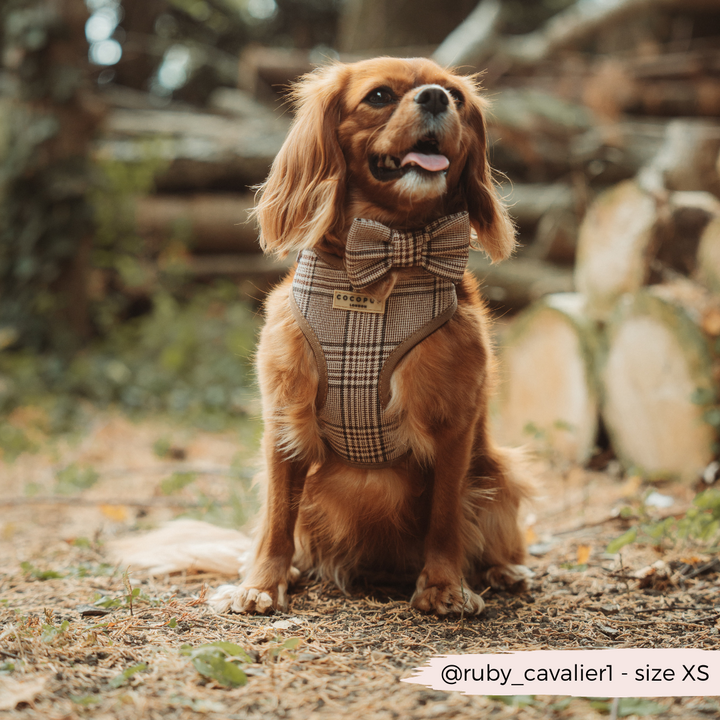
(548, 393)
(657, 362)
(613, 241)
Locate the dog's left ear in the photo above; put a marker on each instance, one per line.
(488, 216)
(302, 200)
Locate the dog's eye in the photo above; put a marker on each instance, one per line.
(457, 96)
(380, 96)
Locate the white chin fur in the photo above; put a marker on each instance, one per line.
(422, 186)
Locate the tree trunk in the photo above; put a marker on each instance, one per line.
(386, 24)
(201, 150)
(49, 115)
(518, 282)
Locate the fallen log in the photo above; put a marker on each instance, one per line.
(207, 223)
(692, 63)
(686, 160)
(659, 379)
(532, 132)
(267, 72)
(612, 244)
(548, 389)
(199, 150)
(708, 257)
(473, 40)
(252, 265)
(630, 237)
(583, 21)
(527, 203)
(556, 237)
(694, 97)
(678, 234)
(518, 282)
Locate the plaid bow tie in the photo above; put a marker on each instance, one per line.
(442, 248)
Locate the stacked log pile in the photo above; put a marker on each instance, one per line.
(210, 160)
(637, 347)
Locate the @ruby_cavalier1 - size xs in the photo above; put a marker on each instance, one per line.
(375, 362)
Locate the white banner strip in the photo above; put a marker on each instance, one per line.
(682, 672)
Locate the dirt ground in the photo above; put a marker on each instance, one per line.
(73, 645)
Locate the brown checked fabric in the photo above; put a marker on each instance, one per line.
(441, 248)
(356, 350)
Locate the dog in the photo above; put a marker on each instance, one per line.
(378, 459)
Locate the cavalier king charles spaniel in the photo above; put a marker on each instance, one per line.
(375, 362)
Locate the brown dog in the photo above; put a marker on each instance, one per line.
(375, 363)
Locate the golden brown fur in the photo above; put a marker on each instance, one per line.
(447, 514)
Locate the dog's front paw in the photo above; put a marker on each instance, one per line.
(445, 597)
(246, 599)
(508, 577)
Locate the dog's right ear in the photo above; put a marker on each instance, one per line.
(302, 200)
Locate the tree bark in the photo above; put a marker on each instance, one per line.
(209, 223)
(385, 24)
(50, 115)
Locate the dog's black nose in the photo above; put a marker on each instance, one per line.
(433, 100)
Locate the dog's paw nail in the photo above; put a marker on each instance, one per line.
(222, 599)
(294, 574)
(263, 602)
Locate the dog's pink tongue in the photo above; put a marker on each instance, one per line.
(433, 163)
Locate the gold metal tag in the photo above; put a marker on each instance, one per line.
(344, 300)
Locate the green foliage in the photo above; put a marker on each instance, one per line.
(189, 359)
(83, 570)
(122, 262)
(176, 482)
(105, 601)
(132, 593)
(219, 661)
(36, 574)
(233, 512)
(629, 706)
(625, 539)
(282, 647)
(124, 677)
(185, 356)
(132, 597)
(161, 447)
(14, 441)
(514, 700)
(74, 478)
(50, 633)
(44, 174)
(699, 525)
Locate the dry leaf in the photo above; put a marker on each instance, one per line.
(116, 513)
(631, 486)
(711, 322)
(12, 692)
(583, 554)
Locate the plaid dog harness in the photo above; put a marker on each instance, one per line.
(358, 341)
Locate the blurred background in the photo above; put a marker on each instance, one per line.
(132, 132)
